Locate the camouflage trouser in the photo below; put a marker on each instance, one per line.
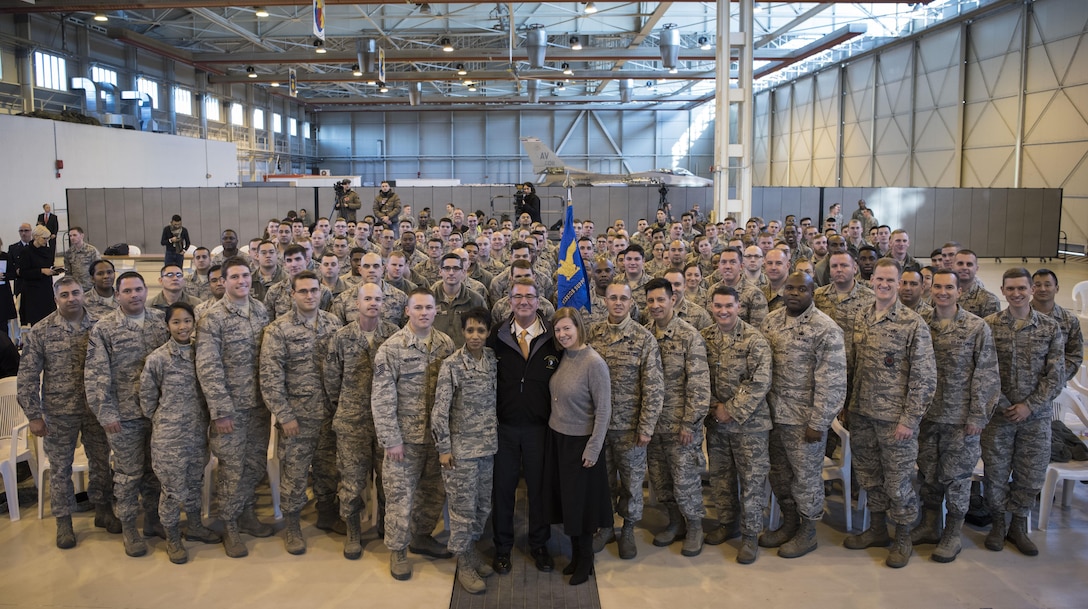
(415, 495)
(296, 455)
(179, 453)
(744, 456)
(358, 457)
(134, 484)
(946, 458)
(626, 463)
(795, 470)
(468, 491)
(243, 460)
(326, 475)
(60, 446)
(1019, 450)
(675, 473)
(884, 467)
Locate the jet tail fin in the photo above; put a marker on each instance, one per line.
(543, 158)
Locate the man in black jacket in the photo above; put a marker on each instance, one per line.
(175, 238)
(527, 358)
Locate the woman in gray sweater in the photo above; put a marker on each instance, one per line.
(576, 481)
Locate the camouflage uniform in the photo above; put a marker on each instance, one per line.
(465, 425)
(171, 399)
(893, 376)
(638, 292)
(773, 296)
(159, 301)
(260, 287)
(115, 356)
(753, 304)
(228, 343)
(740, 376)
(502, 310)
(1031, 360)
(447, 317)
(978, 300)
(292, 352)
(843, 308)
(220, 257)
(197, 286)
(99, 306)
(205, 306)
(346, 305)
(694, 315)
(924, 309)
(78, 261)
(500, 285)
(427, 272)
(50, 386)
(808, 388)
(402, 394)
(967, 384)
(675, 469)
(1073, 339)
(638, 389)
(278, 299)
(358, 455)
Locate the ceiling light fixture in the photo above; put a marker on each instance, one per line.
(575, 43)
(461, 71)
(469, 83)
(425, 9)
(274, 83)
(673, 71)
(567, 70)
(355, 71)
(319, 46)
(383, 88)
(560, 85)
(101, 17)
(704, 43)
(590, 8)
(252, 73)
(472, 88)
(261, 12)
(447, 46)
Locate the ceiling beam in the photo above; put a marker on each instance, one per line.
(393, 78)
(69, 6)
(473, 54)
(222, 22)
(817, 46)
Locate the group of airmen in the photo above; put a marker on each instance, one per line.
(363, 343)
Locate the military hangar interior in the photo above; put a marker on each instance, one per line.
(851, 99)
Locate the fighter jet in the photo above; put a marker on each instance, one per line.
(557, 173)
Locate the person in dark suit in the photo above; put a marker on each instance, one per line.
(49, 220)
(7, 303)
(36, 274)
(527, 358)
(15, 253)
(175, 238)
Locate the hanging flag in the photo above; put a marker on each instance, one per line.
(292, 82)
(319, 19)
(572, 279)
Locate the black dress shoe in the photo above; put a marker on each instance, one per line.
(543, 560)
(501, 564)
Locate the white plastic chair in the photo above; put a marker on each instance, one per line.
(834, 469)
(14, 444)
(1069, 473)
(134, 250)
(272, 467)
(219, 249)
(1080, 298)
(80, 465)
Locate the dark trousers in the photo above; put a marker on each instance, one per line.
(174, 258)
(521, 450)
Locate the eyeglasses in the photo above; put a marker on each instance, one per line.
(173, 275)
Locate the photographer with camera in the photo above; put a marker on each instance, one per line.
(347, 200)
(387, 206)
(526, 202)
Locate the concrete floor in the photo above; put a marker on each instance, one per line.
(34, 573)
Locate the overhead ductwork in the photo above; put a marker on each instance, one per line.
(536, 44)
(669, 44)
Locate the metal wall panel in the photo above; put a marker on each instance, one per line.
(990, 100)
(996, 218)
(936, 126)
(800, 136)
(825, 129)
(857, 110)
(780, 137)
(893, 116)
(114, 200)
(1017, 224)
(229, 217)
(761, 131)
(152, 206)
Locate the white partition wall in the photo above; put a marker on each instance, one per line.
(998, 101)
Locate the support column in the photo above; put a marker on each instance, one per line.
(25, 60)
